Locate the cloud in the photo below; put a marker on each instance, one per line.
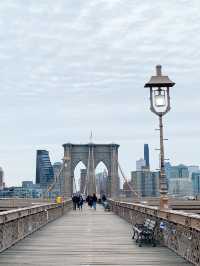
(67, 67)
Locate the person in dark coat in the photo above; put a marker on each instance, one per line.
(81, 202)
(78, 201)
(89, 201)
(94, 201)
(74, 200)
(104, 198)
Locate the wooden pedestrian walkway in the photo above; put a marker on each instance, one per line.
(86, 238)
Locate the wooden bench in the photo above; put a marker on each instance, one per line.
(144, 233)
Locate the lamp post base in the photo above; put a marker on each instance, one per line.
(164, 202)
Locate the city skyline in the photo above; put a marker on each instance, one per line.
(74, 72)
(101, 167)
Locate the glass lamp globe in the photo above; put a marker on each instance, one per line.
(160, 98)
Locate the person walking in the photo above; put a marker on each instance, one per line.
(94, 201)
(78, 201)
(103, 198)
(89, 201)
(74, 200)
(81, 203)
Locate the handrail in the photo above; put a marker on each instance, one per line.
(10, 215)
(191, 220)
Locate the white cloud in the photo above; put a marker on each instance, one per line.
(69, 66)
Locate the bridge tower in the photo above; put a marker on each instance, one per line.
(91, 155)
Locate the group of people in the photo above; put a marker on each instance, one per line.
(77, 200)
(92, 201)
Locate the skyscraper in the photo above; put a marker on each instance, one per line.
(140, 164)
(44, 169)
(102, 182)
(58, 177)
(83, 180)
(145, 182)
(57, 168)
(193, 169)
(146, 155)
(196, 183)
(1, 178)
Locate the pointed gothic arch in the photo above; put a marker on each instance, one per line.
(78, 174)
(101, 173)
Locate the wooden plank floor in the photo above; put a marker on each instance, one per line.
(86, 238)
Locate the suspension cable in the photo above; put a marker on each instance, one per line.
(50, 187)
(127, 182)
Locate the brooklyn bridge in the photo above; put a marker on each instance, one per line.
(37, 232)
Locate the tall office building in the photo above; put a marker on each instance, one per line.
(57, 168)
(168, 168)
(193, 169)
(179, 171)
(146, 155)
(44, 169)
(140, 164)
(59, 177)
(83, 181)
(179, 182)
(196, 183)
(102, 182)
(145, 183)
(1, 178)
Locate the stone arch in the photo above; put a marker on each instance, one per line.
(102, 173)
(76, 162)
(105, 162)
(78, 171)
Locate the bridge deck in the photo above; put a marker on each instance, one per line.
(86, 238)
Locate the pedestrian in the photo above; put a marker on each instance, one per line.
(78, 201)
(81, 203)
(103, 200)
(89, 201)
(74, 200)
(94, 201)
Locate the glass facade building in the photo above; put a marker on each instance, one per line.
(44, 169)
(196, 183)
(146, 155)
(145, 182)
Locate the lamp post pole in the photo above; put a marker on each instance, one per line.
(162, 177)
(159, 86)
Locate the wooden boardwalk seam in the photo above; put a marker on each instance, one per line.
(86, 238)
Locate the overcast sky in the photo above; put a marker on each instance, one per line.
(71, 66)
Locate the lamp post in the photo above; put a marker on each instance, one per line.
(159, 86)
